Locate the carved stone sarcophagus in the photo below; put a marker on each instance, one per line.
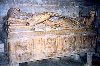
(45, 35)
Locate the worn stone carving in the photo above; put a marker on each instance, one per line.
(45, 35)
(88, 22)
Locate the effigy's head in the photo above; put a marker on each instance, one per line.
(12, 12)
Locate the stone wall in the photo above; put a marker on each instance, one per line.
(65, 7)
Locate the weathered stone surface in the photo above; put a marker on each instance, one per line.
(46, 35)
(1, 47)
